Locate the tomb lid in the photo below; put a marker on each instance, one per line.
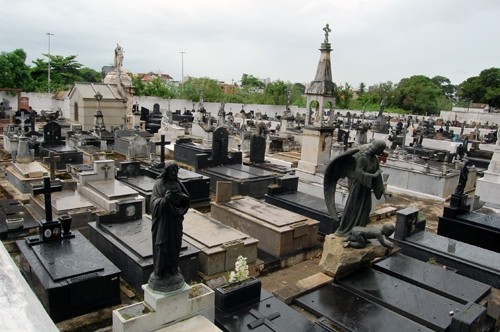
(112, 188)
(68, 258)
(208, 231)
(264, 211)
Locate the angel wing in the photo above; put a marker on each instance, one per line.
(340, 167)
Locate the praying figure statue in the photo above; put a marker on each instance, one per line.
(169, 203)
(362, 168)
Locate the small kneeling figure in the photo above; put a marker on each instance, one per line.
(360, 236)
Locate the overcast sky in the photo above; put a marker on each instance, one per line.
(373, 41)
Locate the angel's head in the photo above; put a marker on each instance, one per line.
(378, 147)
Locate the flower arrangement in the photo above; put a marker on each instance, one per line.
(240, 272)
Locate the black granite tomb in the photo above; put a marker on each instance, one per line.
(398, 294)
(461, 224)
(16, 220)
(128, 244)
(269, 314)
(285, 195)
(143, 180)
(201, 157)
(70, 276)
(470, 261)
(53, 142)
(257, 149)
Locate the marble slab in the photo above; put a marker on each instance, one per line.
(112, 189)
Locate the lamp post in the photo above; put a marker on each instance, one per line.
(48, 68)
(182, 66)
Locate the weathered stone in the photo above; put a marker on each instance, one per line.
(338, 261)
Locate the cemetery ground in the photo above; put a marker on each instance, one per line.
(272, 281)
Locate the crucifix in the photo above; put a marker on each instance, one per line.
(106, 168)
(263, 320)
(47, 189)
(52, 160)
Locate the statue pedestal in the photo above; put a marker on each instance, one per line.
(316, 146)
(159, 310)
(338, 261)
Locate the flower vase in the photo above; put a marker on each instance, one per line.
(230, 296)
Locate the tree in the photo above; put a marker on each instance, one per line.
(249, 81)
(64, 72)
(418, 94)
(447, 88)
(90, 75)
(159, 88)
(14, 72)
(343, 95)
(276, 92)
(194, 87)
(484, 88)
(362, 88)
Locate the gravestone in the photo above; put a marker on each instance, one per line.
(280, 232)
(220, 144)
(257, 149)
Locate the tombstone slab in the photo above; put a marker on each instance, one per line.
(343, 310)
(73, 276)
(220, 245)
(280, 232)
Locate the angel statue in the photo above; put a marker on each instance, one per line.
(361, 166)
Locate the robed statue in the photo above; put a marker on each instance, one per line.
(361, 167)
(169, 203)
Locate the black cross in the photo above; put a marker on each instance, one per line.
(263, 320)
(47, 190)
(52, 160)
(162, 144)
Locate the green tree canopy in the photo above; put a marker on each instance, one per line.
(484, 88)
(418, 94)
(64, 72)
(194, 87)
(14, 72)
(250, 81)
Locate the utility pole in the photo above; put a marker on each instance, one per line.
(182, 68)
(48, 70)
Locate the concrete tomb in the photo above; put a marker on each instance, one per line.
(219, 244)
(285, 194)
(280, 232)
(100, 187)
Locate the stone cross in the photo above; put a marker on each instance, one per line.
(47, 190)
(22, 118)
(52, 160)
(263, 320)
(327, 30)
(106, 168)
